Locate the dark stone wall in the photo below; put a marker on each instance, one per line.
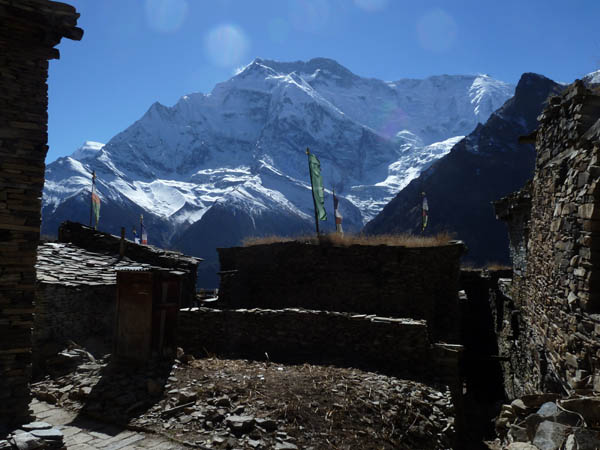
(420, 283)
(516, 209)
(398, 347)
(83, 314)
(29, 31)
(558, 295)
(484, 378)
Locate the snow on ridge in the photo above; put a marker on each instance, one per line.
(496, 92)
(592, 77)
(403, 171)
(87, 150)
(177, 161)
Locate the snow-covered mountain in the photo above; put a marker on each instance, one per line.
(240, 151)
(592, 78)
(488, 164)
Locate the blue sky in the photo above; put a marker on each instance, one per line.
(136, 52)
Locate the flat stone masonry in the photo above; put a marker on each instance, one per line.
(30, 29)
(391, 281)
(516, 209)
(82, 314)
(399, 347)
(556, 291)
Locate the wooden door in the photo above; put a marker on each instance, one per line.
(134, 315)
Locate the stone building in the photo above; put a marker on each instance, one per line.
(106, 243)
(551, 328)
(76, 287)
(30, 30)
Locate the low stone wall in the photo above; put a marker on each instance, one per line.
(84, 314)
(391, 281)
(398, 347)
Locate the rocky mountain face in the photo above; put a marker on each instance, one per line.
(483, 167)
(215, 168)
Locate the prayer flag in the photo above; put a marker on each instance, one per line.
(96, 207)
(425, 209)
(338, 216)
(95, 203)
(317, 185)
(143, 231)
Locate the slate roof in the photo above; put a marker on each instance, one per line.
(67, 264)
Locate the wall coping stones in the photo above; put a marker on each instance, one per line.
(266, 311)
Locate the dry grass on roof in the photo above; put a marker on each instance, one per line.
(335, 239)
(489, 266)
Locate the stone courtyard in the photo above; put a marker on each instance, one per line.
(87, 434)
(222, 404)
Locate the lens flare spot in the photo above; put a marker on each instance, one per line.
(437, 30)
(166, 16)
(226, 45)
(392, 120)
(371, 5)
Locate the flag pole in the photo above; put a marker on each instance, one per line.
(92, 196)
(334, 209)
(424, 212)
(311, 190)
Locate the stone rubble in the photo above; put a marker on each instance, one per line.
(213, 403)
(548, 422)
(34, 436)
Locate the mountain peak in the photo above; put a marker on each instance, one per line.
(88, 149)
(532, 90)
(307, 67)
(530, 78)
(257, 66)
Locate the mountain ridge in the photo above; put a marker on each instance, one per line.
(242, 146)
(486, 165)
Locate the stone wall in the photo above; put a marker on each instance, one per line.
(399, 347)
(420, 283)
(84, 314)
(30, 29)
(516, 209)
(98, 241)
(558, 296)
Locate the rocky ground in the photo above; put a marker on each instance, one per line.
(549, 422)
(219, 403)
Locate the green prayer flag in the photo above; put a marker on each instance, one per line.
(317, 186)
